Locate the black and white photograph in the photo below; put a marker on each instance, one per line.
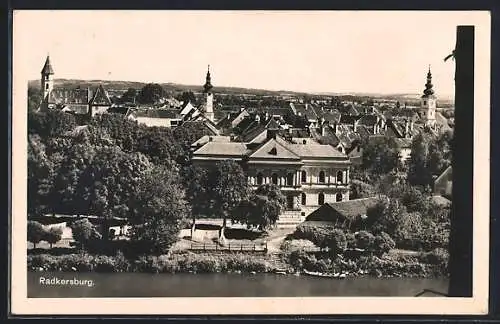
(250, 162)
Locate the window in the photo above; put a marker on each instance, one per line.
(289, 179)
(260, 178)
(303, 198)
(46, 86)
(274, 178)
(338, 197)
(322, 176)
(425, 102)
(303, 176)
(321, 198)
(304, 142)
(339, 176)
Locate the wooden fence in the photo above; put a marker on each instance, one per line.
(234, 247)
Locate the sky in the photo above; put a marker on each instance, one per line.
(328, 51)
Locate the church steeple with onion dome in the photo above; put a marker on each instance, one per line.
(428, 101)
(209, 97)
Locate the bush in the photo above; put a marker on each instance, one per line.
(383, 243)
(351, 240)
(364, 240)
(36, 232)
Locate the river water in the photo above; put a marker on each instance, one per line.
(223, 285)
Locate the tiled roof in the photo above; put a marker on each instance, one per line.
(69, 96)
(368, 120)
(47, 67)
(118, 110)
(158, 113)
(206, 138)
(316, 150)
(222, 149)
(304, 110)
(100, 97)
(80, 109)
(442, 121)
(272, 149)
(363, 131)
(330, 116)
(348, 209)
(348, 119)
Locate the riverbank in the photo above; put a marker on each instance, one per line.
(293, 263)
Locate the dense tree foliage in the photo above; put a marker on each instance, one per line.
(261, 209)
(381, 155)
(129, 96)
(431, 155)
(35, 232)
(160, 209)
(151, 93)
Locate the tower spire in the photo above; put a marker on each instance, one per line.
(429, 91)
(208, 81)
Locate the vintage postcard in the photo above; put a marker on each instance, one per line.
(250, 162)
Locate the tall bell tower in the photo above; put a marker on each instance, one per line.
(209, 97)
(428, 102)
(47, 78)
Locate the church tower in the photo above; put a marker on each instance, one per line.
(47, 81)
(428, 102)
(209, 97)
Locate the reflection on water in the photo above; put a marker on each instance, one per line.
(221, 285)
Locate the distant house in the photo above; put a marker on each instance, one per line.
(344, 214)
(156, 117)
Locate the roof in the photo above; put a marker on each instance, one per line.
(348, 119)
(206, 138)
(303, 110)
(368, 120)
(217, 148)
(100, 97)
(69, 96)
(272, 149)
(346, 209)
(158, 113)
(316, 151)
(441, 201)
(442, 121)
(76, 108)
(47, 67)
(403, 142)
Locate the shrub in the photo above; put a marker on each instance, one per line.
(336, 241)
(36, 232)
(364, 240)
(351, 240)
(383, 243)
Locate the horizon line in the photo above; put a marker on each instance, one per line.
(444, 96)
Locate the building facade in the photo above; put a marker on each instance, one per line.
(308, 175)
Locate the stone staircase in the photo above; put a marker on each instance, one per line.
(290, 218)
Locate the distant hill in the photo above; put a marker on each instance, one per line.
(175, 87)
